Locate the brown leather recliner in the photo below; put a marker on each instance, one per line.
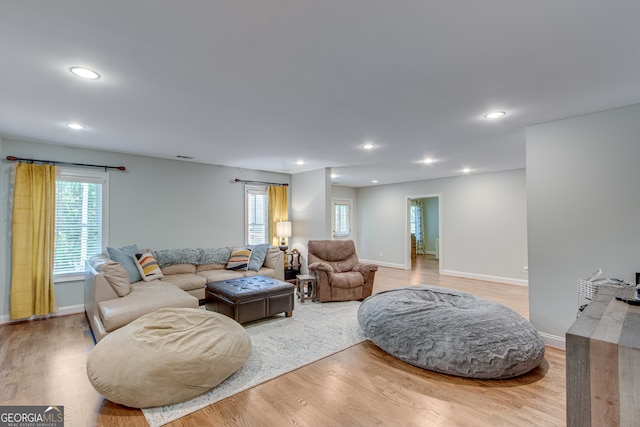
(341, 277)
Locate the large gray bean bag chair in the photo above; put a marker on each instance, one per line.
(168, 356)
(451, 332)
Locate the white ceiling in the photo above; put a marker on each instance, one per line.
(260, 84)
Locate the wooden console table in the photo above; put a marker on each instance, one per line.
(603, 363)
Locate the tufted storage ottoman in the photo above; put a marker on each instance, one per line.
(250, 298)
(166, 357)
(451, 332)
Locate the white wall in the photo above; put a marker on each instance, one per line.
(583, 177)
(156, 203)
(310, 209)
(484, 228)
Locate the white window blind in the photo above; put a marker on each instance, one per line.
(80, 220)
(341, 220)
(257, 215)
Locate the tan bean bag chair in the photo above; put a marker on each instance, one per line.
(168, 356)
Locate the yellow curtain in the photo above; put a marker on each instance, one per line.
(278, 209)
(34, 197)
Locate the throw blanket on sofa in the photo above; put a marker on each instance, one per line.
(197, 256)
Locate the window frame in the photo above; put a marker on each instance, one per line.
(80, 175)
(349, 204)
(256, 189)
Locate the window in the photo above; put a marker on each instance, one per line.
(80, 223)
(341, 219)
(257, 215)
(414, 214)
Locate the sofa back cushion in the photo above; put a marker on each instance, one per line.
(210, 267)
(115, 274)
(178, 269)
(272, 257)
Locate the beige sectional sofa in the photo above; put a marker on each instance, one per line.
(111, 301)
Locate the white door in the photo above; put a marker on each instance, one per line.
(341, 219)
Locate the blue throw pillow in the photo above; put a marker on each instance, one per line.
(124, 256)
(258, 254)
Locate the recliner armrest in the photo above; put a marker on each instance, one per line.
(365, 270)
(321, 266)
(365, 267)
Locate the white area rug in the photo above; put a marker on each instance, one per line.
(280, 344)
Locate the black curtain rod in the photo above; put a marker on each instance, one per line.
(260, 182)
(55, 162)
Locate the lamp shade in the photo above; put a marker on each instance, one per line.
(283, 229)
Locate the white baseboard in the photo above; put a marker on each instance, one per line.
(553, 341)
(384, 264)
(486, 277)
(62, 311)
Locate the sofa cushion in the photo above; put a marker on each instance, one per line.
(115, 274)
(186, 281)
(147, 266)
(258, 254)
(239, 259)
(217, 275)
(178, 269)
(210, 267)
(124, 256)
(144, 298)
(265, 271)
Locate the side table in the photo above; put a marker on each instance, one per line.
(290, 275)
(311, 282)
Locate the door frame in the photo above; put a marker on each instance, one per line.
(407, 228)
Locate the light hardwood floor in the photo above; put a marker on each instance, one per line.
(43, 363)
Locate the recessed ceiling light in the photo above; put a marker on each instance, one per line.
(368, 146)
(300, 162)
(466, 170)
(428, 161)
(494, 115)
(375, 181)
(75, 126)
(334, 175)
(85, 73)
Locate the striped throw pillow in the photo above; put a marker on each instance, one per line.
(148, 266)
(239, 259)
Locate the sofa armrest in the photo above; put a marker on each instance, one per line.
(96, 289)
(275, 260)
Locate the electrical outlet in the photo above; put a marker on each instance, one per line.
(525, 269)
(381, 255)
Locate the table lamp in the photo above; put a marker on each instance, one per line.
(283, 230)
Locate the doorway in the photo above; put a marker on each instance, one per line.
(424, 230)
